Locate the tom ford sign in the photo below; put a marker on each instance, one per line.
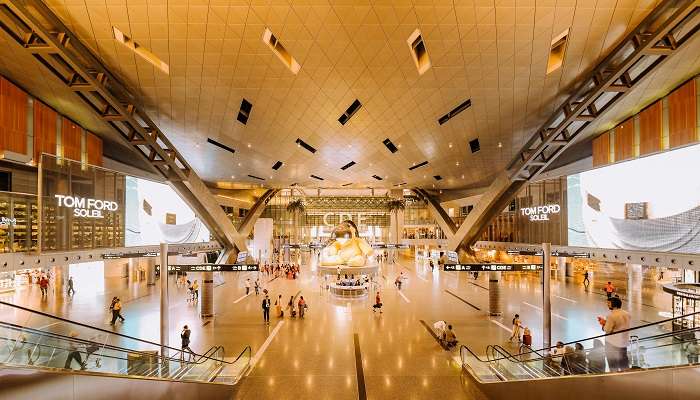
(86, 207)
(540, 213)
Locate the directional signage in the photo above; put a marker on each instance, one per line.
(389, 246)
(493, 267)
(214, 267)
(555, 253)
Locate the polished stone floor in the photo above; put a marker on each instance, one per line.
(316, 357)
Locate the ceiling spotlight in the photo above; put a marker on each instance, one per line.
(270, 176)
(248, 145)
(399, 146)
(425, 176)
(440, 191)
(370, 164)
(239, 164)
(500, 145)
(233, 176)
(196, 145)
(462, 176)
(457, 163)
(450, 145)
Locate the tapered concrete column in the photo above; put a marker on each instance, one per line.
(634, 282)
(133, 270)
(546, 297)
(150, 263)
(495, 300)
(164, 302)
(60, 280)
(206, 297)
(565, 266)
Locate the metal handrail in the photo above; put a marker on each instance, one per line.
(590, 338)
(93, 327)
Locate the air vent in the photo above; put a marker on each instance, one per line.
(418, 165)
(317, 177)
(455, 111)
(277, 165)
(377, 177)
(221, 145)
(244, 112)
(350, 112)
(418, 52)
(390, 145)
(348, 165)
(305, 145)
(256, 177)
(437, 177)
(474, 145)
(140, 50)
(557, 51)
(346, 184)
(400, 184)
(294, 184)
(274, 44)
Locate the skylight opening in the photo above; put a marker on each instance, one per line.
(418, 52)
(274, 44)
(557, 51)
(140, 50)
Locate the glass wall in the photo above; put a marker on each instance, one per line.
(19, 227)
(82, 207)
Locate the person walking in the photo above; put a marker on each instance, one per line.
(516, 329)
(609, 290)
(73, 353)
(377, 304)
(692, 350)
(266, 309)
(195, 290)
(586, 281)
(290, 306)
(70, 286)
(247, 286)
(44, 285)
(185, 343)
(257, 287)
(302, 307)
(278, 307)
(616, 344)
(117, 310)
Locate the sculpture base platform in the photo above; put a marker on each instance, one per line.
(344, 269)
(349, 291)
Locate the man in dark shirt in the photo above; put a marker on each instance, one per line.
(266, 309)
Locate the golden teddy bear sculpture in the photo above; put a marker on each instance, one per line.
(348, 249)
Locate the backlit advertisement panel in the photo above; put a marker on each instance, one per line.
(650, 203)
(156, 214)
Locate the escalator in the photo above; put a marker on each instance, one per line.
(662, 364)
(47, 357)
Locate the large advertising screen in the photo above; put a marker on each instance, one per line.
(156, 214)
(650, 203)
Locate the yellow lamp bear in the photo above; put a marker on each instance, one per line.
(348, 249)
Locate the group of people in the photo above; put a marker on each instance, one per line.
(293, 306)
(290, 271)
(43, 281)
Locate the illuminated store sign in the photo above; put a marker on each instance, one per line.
(84, 207)
(6, 222)
(540, 213)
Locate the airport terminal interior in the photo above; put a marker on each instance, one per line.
(321, 199)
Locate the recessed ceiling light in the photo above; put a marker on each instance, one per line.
(450, 144)
(233, 176)
(239, 164)
(425, 176)
(457, 163)
(140, 50)
(196, 145)
(462, 176)
(248, 145)
(399, 146)
(418, 51)
(500, 145)
(557, 51)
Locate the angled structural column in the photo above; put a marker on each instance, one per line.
(443, 220)
(662, 33)
(34, 26)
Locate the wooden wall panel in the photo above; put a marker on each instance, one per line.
(650, 129)
(94, 149)
(682, 115)
(624, 140)
(70, 140)
(44, 130)
(601, 150)
(13, 117)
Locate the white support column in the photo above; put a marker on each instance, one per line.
(150, 263)
(634, 283)
(206, 299)
(565, 266)
(495, 301)
(164, 303)
(546, 299)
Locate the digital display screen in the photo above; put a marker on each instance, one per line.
(646, 204)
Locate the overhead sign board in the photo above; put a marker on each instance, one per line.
(389, 246)
(555, 253)
(213, 267)
(493, 267)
